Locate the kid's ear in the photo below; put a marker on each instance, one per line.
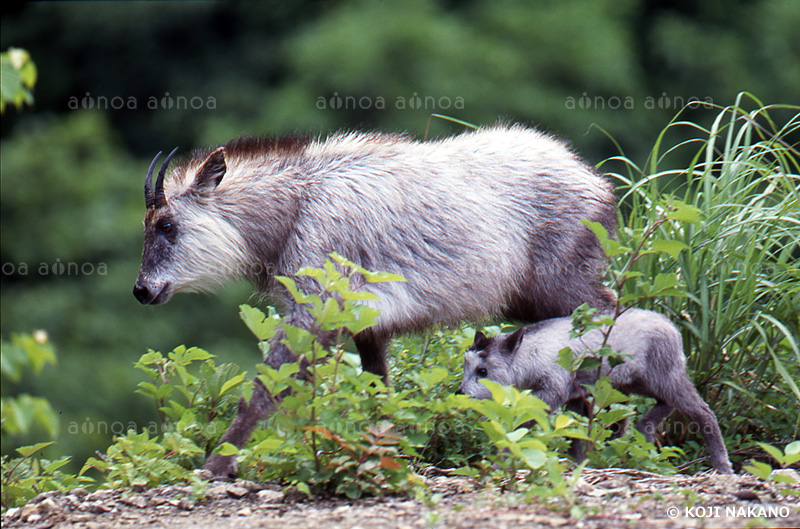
(211, 171)
(481, 341)
(513, 340)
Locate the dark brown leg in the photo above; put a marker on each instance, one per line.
(577, 450)
(261, 404)
(372, 349)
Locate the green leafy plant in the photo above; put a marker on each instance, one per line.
(331, 432)
(786, 459)
(715, 246)
(368, 466)
(194, 399)
(651, 238)
(629, 450)
(338, 430)
(525, 435)
(25, 477)
(426, 371)
(137, 461)
(192, 394)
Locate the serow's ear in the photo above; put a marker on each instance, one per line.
(481, 341)
(211, 171)
(512, 340)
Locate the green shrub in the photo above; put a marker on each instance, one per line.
(25, 477)
(136, 461)
(786, 458)
(193, 395)
(425, 371)
(523, 434)
(334, 432)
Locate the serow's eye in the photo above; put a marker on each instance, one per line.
(165, 226)
(481, 372)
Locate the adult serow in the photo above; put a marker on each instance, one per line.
(653, 366)
(483, 224)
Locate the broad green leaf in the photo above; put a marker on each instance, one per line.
(27, 451)
(433, 376)
(226, 449)
(609, 245)
(665, 281)
(466, 471)
(95, 463)
(574, 433)
(597, 228)
(268, 445)
(232, 383)
(517, 434)
(782, 478)
(567, 360)
(759, 469)
(196, 354)
(151, 357)
(17, 77)
(291, 285)
(616, 358)
(365, 317)
(609, 417)
(628, 274)
(605, 394)
(303, 487)
(588, 363)
(314, 273)
(55, 465)
(382, 277)
(671, 247)
(563, 421)
(534, 457)
(358, 295)
(774, 452)
(631, 299)
(299, 340)
(261, 326)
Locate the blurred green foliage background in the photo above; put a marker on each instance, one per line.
(121, 81)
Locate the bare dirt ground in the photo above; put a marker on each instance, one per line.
(609, 498)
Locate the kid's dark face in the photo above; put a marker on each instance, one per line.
(488, 358)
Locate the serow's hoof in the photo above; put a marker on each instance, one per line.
(221, 467)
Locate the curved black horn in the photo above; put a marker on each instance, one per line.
(159, 200)
(149, 199)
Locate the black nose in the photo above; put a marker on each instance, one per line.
(459, 392)
(141, 292)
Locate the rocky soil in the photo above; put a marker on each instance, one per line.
(609, 498)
